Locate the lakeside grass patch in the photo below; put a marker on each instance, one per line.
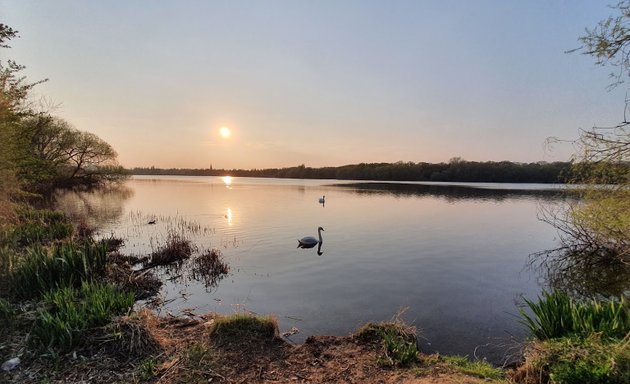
(209, 267)
(576, 361)
(242, 328)
(63, 265)
(69, 311)
(398, 339)
(478, 368)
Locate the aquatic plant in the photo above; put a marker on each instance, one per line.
(210, 267)
(557, 315)
(176, 249)
(69, 311)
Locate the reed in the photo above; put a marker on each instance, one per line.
(63, 265)
(176, 249)
(70, 311)
(557, 315)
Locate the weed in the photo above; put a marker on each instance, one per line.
(557, 315)
(74, 310)
(148, 368)
(243, 328)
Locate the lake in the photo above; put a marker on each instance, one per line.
(453, 257)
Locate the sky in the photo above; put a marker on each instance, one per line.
(320, 83)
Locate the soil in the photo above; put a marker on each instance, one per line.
(146, 348)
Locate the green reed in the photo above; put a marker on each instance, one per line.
(63, 265)
(557, 315)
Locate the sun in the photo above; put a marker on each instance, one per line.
(225, 132)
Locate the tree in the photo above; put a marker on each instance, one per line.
(595, 230)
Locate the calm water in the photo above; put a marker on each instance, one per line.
(455, 255)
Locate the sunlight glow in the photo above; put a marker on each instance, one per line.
(229, 216)
(227, 180)
(225, 132)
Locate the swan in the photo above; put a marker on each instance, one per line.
(322, 199)
(310, 241)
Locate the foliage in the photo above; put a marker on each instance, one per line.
(148, 368)
(63, 265)
(239, 327)
(557, 315)
(74, 310)
(576, 361)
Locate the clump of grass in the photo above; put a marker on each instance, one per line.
(8, 259)
(38, 227)
(210, 267)
(70, 311)
(557, 315)
(176, 249)
(478, 368)
(576, 361)
(243, 328)
(148, 368)
(134, 335)
(7, 313)
(398, 340)
(63, 265)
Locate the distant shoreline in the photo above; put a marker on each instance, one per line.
(453, 171)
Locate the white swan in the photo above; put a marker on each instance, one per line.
(310, 241)
(322, 199)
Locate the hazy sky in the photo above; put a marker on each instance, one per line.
(317, 82)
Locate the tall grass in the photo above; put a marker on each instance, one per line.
(37, 227)
(73, 310)
(557, 315)
(63, 265)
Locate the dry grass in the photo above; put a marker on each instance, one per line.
(210, 268)
(176, 250)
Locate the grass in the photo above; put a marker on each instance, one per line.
(7, 313)
(37, 227)
(576, 361)
(477, 368)
(238, 328)
(557, 315)
(69, 311)
(398, 340)
(63, 265)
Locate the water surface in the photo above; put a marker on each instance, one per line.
(454, 255)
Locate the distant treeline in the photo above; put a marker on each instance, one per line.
(456, 170)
